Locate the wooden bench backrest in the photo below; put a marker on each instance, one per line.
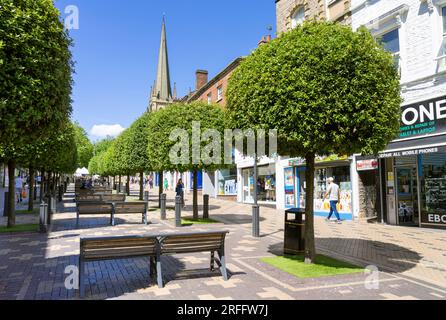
(94, 208)
(117, 247)
(103, 191)
(130, 207)
(193, 242)
(89, 197)
(113, 197)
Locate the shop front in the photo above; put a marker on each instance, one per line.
(295, 185)
(412, 169)
(266, 184)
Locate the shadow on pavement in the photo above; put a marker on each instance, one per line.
(392, 257)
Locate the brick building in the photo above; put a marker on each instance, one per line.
(219, 183)
(213, 91)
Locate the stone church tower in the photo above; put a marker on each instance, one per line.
(161, 92)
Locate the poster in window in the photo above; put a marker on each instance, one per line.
(289, 187)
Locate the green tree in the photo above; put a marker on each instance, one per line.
(85, 148)
(180, 118)
(136, 159)
(326, 89)
(35, 78)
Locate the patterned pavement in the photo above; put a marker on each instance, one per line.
(37, 266)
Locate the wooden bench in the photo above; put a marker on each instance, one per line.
(153, 246)
(113, 197)
(110, 248)
(212, 241)
(93, 208)
(129, 208)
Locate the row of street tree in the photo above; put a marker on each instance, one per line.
(35, 106)
(326, 89)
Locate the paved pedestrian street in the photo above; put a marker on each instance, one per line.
(412, 262)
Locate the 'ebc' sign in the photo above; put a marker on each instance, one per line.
(423, 118)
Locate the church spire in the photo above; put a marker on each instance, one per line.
(163, 90)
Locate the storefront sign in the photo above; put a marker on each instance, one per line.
(364, 165)
(408, 153)
(434, 218)
(424, 118)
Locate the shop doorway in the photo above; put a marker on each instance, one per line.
(406, 175)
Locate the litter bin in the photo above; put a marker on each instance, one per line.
(294, 242)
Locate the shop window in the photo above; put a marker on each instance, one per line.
(266, 184)
(433, 189)
(227, 182)
(297, 17)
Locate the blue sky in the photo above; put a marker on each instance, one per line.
(116, 48)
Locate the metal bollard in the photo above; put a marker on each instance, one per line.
(49, 203)
(206, 206)
(178, 212)
(6, 204)
(43, 218)
(256, 221)
(163, 206)
(53, 205)
(146, 196)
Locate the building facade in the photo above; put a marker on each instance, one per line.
(218, 183)
(405, 184)
(410, 174)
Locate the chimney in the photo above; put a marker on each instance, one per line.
(201, 78)
(264, 40)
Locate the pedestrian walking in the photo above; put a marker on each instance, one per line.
(333, 195)
(180, 192)
(166, 184)
(151, 182)
(18, 188)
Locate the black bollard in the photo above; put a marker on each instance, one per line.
(178, 212)
(256, 221)
(43, 217)
(163, 206)
(205, 206)
(6, 204)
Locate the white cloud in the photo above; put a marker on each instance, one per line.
(104, 130)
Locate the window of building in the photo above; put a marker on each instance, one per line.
(219, 93)
(391, 42)
(209, 97)
(442, 52)
(298, 17)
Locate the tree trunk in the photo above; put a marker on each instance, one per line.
(31, 189)
(195, 194)
(161, 188)
(127, 186)
(310, 250)
(11, 190)
(119, 184)
(141, 185)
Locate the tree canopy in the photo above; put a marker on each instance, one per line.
(326, 89)
(85, 148)
(35, 71)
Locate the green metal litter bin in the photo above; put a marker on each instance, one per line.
(294, 242)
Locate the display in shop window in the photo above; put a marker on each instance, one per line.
(289, 188)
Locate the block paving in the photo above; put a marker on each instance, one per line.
(411, 262)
